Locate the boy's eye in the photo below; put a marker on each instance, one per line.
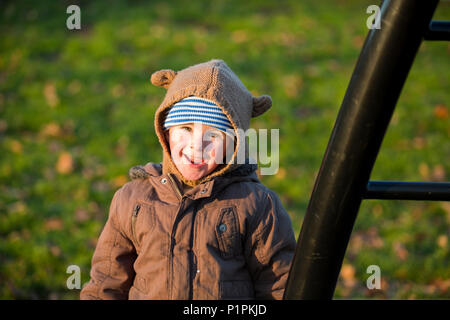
(189, 129)
(213, 135)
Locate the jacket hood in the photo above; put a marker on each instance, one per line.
(215, 81)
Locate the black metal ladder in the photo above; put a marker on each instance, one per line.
(343, 179)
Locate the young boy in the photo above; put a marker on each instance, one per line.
(196, 226)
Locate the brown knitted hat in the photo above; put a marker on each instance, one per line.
(215, 81)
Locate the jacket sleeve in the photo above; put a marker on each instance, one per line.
(112, 272)
(270, 249)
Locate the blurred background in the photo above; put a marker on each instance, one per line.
(77, 107)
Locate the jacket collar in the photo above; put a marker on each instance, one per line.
(244, 172)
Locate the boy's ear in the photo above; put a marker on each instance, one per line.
(261, 104)
(163, 78)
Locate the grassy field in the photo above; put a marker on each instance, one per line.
(77, 107)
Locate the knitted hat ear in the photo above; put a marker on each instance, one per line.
(261, 104)
(163, 78)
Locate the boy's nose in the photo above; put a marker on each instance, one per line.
(197, 142)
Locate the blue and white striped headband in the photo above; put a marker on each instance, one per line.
(197, 110)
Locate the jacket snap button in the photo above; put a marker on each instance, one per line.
(163, 180)
(223, 227)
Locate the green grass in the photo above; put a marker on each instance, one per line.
(87, 94)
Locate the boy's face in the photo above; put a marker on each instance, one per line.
(197, 149)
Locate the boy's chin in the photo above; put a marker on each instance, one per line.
(192, 174)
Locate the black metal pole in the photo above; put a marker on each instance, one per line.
(376, 83)
(438, 31)
(403, 190)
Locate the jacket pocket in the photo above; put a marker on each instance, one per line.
(140, 284)
(227, 233)
(142, 222)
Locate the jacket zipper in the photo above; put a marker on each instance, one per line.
(172, 236)
(172, 245)
(192, 257)
(133, 222)
(192, 272)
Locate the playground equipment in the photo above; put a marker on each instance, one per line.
(343, 180)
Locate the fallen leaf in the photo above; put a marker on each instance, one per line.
(424, 171)
(348, 275)
(441, 111)
(50, 94)
(55, 250)
(281, 174)
(384, 284)
(439, 173)
(377, 210)
(419, 143)
(373, 238)
(16, 146)
(81, 215)
(51, 129)
(400, 250)
(65, 163)
(356, 243)
(368, 239)
(17, 207)
(239, 36)
(442, 241)
(53, 224)
(120, 180)
(3, 125)
(442, 285)
(358, 41)
(292, 85)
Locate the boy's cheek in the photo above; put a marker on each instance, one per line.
(177, 142)
(177, 137)
(175, 151)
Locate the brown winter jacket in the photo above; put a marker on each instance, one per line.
(228, 238)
